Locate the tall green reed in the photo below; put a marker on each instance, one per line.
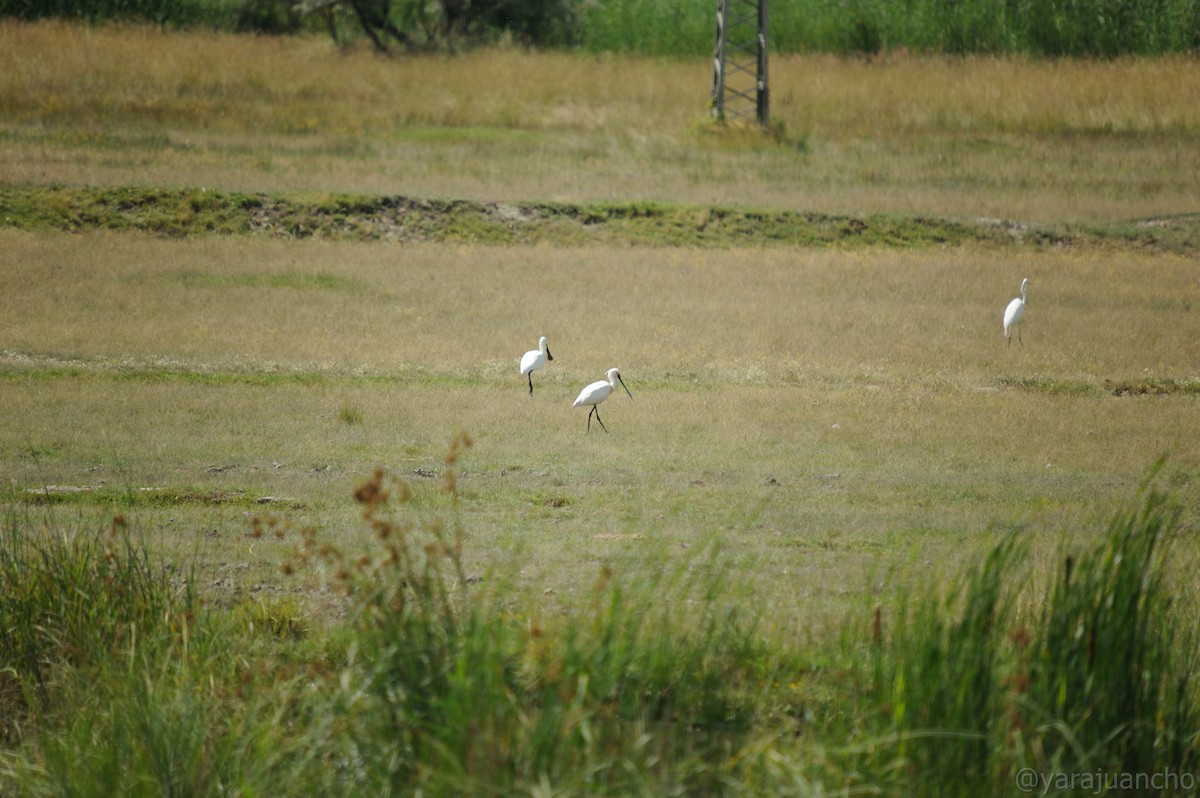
(1094, 28)
(1101, 675)
(73, 600)
(938, 678)
(1112, 668)
(116, 679)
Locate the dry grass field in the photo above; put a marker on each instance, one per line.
(841, 419)
(1037, 141)
(839, 414)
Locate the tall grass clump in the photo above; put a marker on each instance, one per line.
(1099, 676)
(115, 679)
(160, 723)
(938, 677)
(450, 685)
(71, 601)
(1112, 671)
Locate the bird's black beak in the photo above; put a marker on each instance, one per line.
(623, 385)
(548, 355)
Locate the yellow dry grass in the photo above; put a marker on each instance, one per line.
(741, 316)
(1012, 138)
(847, 421)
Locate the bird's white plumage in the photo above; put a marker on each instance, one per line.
(594, 394)
(1015, 310)
(1013, 313)
(535, 359)
(597, 392)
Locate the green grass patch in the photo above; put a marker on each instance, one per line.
(161, 211)
(349, 414)
(185, 212)
(1145, 386)
(1152, 386)
(1052, 386)
(128, 498)
(277, 618)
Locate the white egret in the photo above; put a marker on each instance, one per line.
(1013, 314)
(597, 392)
(535, 359)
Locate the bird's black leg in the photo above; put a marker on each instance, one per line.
(597, 409)
(531, 383)
(1020, 340)
(593, 410)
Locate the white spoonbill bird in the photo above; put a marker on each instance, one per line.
(1013, 314)
(535, 359)
(597, 392)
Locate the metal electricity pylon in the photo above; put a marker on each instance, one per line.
(740, 61)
